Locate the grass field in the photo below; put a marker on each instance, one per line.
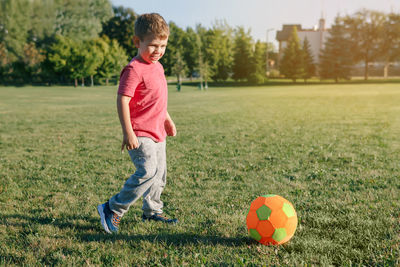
(332, 150)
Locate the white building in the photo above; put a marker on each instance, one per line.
(316, 37)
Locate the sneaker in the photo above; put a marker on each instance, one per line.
(159, 218)
(109, 219)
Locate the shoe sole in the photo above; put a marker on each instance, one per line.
(100, 210)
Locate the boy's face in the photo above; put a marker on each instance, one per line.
(151, 48)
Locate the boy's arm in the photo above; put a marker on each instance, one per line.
(169, 126)
(129, 140)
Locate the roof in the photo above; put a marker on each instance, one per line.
(286, 31)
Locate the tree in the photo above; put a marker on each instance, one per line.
(4, 62)
(32, 60)
(114, 58)
(308, 60)
(364, 30)
(203, 65)
(86, 57)
(190, 50)
(336, 59)
(175, 43)
(179, 68)
(121, 27)
(218, 50)
(82, 19)
(257, 73)
(390, 41)
(15, 26)
(74, 59)
(292, 65)
(242, 54)
(43, 18)
(60, 57)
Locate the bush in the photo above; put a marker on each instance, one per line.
(256, 78)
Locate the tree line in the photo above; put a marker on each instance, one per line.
(68, 41)
(71, 41)
(362, 38)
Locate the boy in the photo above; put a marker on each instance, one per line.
(142, 109)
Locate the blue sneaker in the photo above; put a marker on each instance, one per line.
(109, 219)
(159, 218)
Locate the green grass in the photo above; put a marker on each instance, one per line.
(332, 150)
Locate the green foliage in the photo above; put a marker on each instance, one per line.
(292, 64)
(258, 70)
(31, 27)
(190, 50)
(31, 62)
(43, 20)
(121, 27)
(60, 56)
(242, 54)
(175, 44)
(16, 25)
(308, 60)
(333, 151)
(114, 58)
(82, 19)
(203, 61)
(336, 57)
(4, 61)
(179, 68)
(218, 51)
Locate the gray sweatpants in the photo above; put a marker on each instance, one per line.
(148, 180)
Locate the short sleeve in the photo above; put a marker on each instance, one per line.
(128, 81)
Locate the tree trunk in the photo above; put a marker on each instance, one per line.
(366, 70)
(201, 83)
(178, 82)
(83, 81)
(107, 81)
(91, 81)
(76, 82)
(386, 70)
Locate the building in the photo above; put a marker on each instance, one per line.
(316, 38)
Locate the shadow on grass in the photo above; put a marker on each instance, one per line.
(68, 221)
(176, 239)
(85, 226)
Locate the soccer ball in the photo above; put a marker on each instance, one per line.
(271, 220)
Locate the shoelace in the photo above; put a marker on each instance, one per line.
(115, 220)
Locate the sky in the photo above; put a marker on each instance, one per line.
(258, 15)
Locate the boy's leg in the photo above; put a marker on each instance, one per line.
(152, 203)
(145, 160)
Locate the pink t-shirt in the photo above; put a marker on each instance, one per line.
(146, 84)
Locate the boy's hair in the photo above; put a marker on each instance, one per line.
(151, 23)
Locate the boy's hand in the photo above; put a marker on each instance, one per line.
(129, 141)
(170, 128)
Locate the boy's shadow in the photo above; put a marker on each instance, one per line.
(88, 229)
(176, 239)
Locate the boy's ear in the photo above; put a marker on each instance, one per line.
(136, 41)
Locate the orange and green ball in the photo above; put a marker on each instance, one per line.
(271, 220)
